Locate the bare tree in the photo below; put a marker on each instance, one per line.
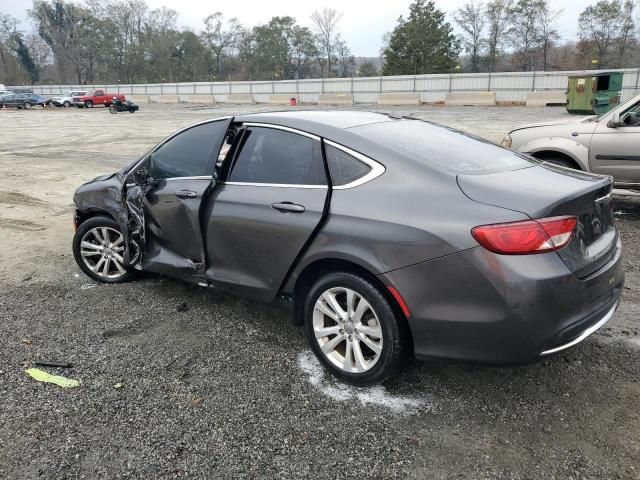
(498, 19)
(220, 37)
(524, 30)
(346, 60)
(470, 18)
(548, 32)
(627, 30)
(599, 26)
(326, 22)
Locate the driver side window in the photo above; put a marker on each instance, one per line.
(188, 154)
(631, 117)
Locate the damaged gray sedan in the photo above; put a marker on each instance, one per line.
(387, 237)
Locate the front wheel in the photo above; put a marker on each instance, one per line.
(27, 105)
(88, 104)
(98, 248)
(353, 329)
(113, 109)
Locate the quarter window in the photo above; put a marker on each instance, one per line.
(343, 167)
(191, 153)
(275, 156)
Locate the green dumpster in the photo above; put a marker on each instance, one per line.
(594, 93)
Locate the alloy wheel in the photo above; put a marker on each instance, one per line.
(101, 249)
(347, 330)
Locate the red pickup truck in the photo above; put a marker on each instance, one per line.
(96, 97)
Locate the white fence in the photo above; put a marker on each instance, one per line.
(510, 87)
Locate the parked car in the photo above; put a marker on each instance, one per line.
(96, 97)
(386, 236)
(66, 99)
(608, 144)
(21, 90)
(22, 100)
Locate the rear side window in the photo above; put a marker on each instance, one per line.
(191, 153)
(343, 167)
(275, 156)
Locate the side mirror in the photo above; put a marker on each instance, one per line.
(615, 121)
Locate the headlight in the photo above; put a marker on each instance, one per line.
(506, 141)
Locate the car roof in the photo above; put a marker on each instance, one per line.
(341, 119)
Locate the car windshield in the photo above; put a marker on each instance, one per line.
(444, 147)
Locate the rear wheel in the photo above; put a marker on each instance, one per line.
(353, 329)
(26, 105)
(98, 248)
(557, 159)
(67, 104)
(113, 109)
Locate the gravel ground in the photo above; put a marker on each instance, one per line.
(216, 386)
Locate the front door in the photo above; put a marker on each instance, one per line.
(616, 151)
(180, 175)
(262, 216)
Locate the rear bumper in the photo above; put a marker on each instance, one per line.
(592, 329)
(484, 308)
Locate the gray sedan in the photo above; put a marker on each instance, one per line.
(386, 237)
(608, 144)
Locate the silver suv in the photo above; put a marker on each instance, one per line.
(608, 144)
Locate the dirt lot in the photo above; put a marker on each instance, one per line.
(243, 397)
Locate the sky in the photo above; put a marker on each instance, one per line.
(363, 23)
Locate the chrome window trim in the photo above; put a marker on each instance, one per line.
(276, 185)
(285, 129)
(584, 334)
(377, 169)
(201, 177)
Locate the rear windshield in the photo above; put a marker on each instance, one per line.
(444, 147)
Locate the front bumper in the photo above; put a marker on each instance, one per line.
(481, 307)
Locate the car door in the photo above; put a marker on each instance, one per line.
(99, 97)
(269, 206)
(616, 150)
(180, 174)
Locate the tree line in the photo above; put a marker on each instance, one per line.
(126, 41)
(607, 35)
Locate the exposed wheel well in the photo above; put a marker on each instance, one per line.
(318, 268)
(83, 216)
(548, 154)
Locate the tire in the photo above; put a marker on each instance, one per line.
(27, 105)
(91, 256)
(113, 109)
(562, 162)
(66, 104)
(131, 110)
(347, 337)
(88, 104)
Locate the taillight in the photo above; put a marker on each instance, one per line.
(527, 237)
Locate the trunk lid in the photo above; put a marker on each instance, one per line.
(548, 191)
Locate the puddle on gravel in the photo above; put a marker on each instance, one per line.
(340, 392)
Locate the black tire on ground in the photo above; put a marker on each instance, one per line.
(67, 104)
(88, 104)
(113, 109)
(131, 110)
(27, 105)
(395, 348)
(82, 230)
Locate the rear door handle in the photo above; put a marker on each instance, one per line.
(288, 207)
(187, 194)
